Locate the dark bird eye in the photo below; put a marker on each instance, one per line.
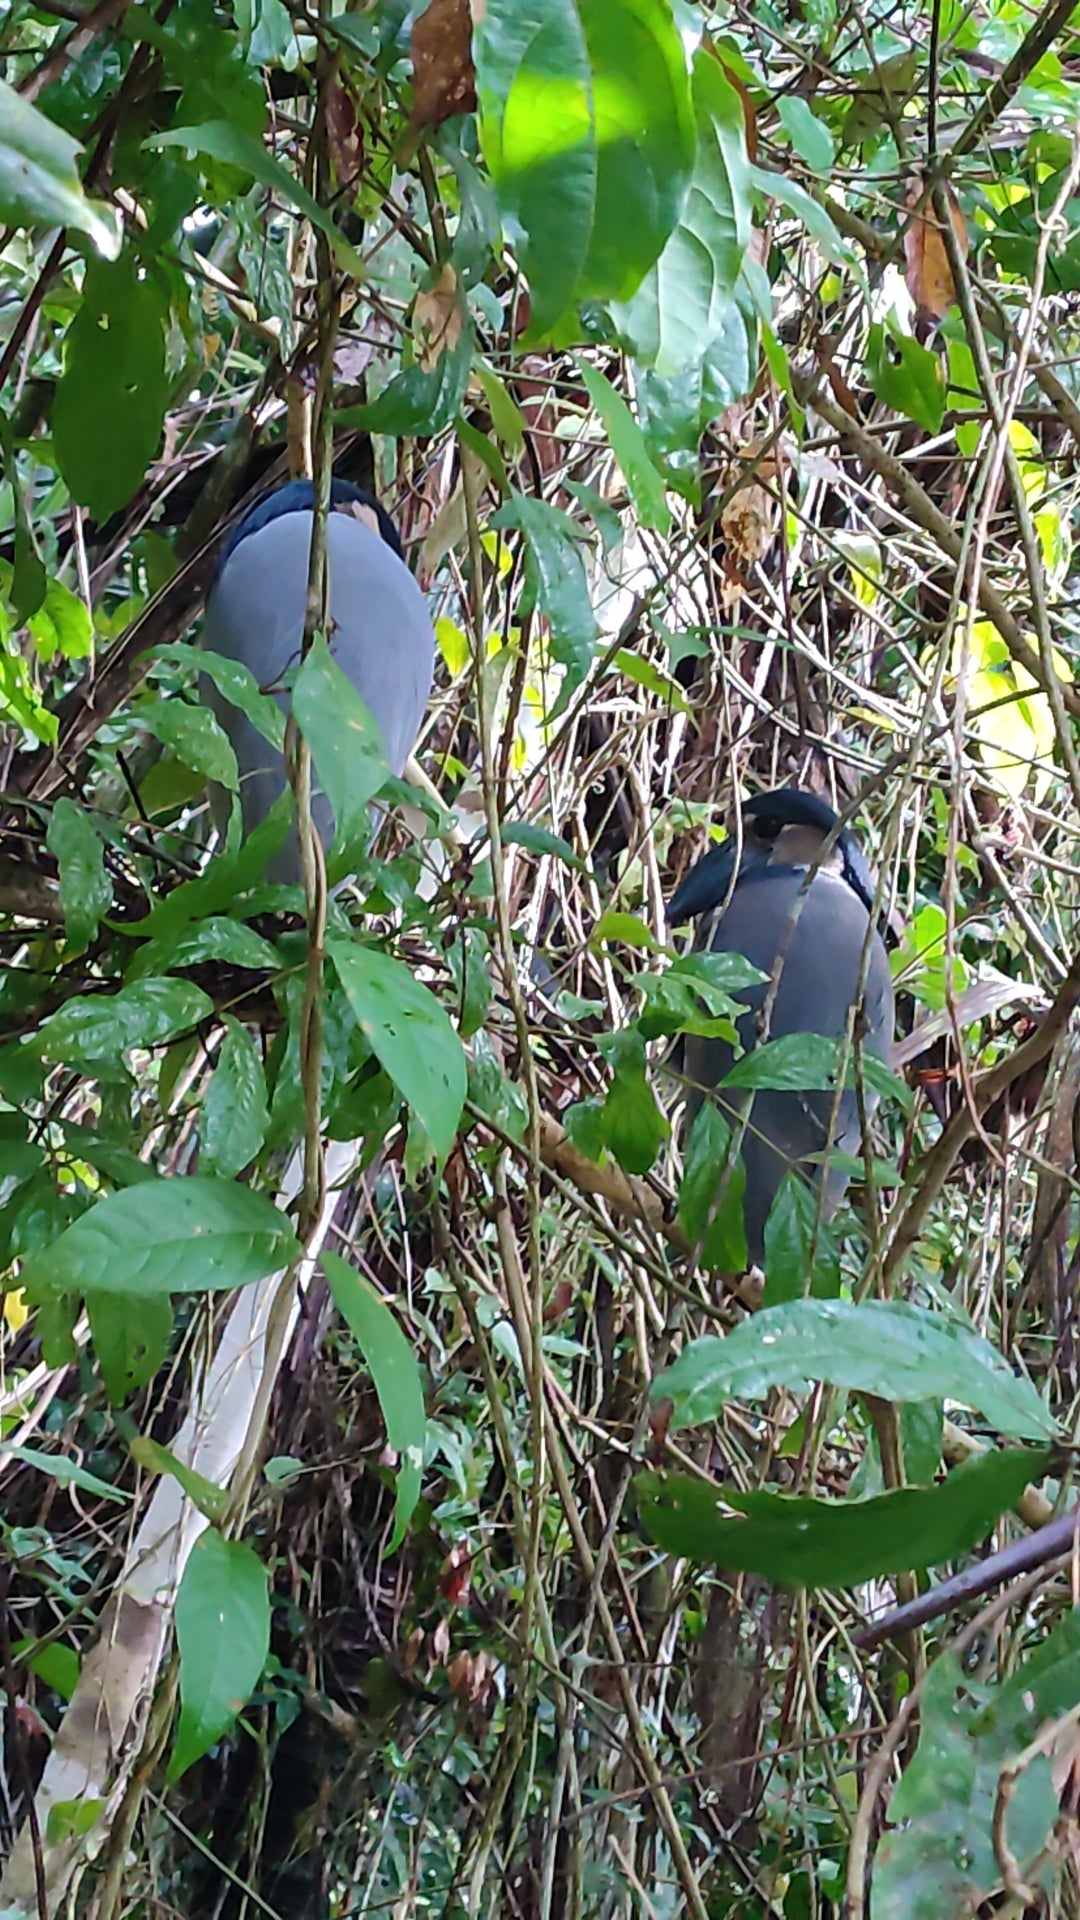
(767, 830)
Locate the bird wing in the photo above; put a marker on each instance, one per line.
(816, 935)
(381, 636)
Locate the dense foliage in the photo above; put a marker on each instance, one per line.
(719, 368)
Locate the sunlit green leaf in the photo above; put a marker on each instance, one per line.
(39, 181)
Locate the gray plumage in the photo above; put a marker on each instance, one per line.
(380, 635)
(814, 930)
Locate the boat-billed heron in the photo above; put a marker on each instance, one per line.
(380, 631)
(804, 918)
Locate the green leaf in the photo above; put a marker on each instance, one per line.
(60, 624)
(56, 1664)
(886, 1347)
(226, 941)
(39, 181)
(706, 1209)
(177, 1235)
(129, 1347)
(221, 140)
(418, 400)
(555, 581)
(938, 1855)
(584, 1124)
(223, 1632)
(628, 444)
(686, 302)
(634, 1127)
(110, 401)
(809, 136)
(236, 684)
(469, 961)
(93, 1027)
(637, 667)
(396, 1373)
(230, 875)
(800, 1251)
(624, 930)
(410, 1036)
(65, 1472)
(212, 1501)
(235, 1116)
(906, 376)
(85, 887)
(195, 737)
(540, 840)
(810, 1063)
(695, 997)
(587, 129)
(818, 224)
(346, 743)
(802, 1542)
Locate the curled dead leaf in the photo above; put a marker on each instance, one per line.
(472, 1676)
(438, 318)
(748, 521)
(929, 274)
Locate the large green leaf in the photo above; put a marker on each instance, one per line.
(223, 1632)
(410, 1036)
(809, 1062)
(345, 740)
(906, 376)
(220, 939)
(885, 1347)
(394, 1369)
(686, 301)
(39, 181)
(555, 580)
(938, 1856)
(166, 1236)
(92, 1027)
(110, 402)
(587, 129)
(802, 1542)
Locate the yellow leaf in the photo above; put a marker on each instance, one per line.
(16, 1311)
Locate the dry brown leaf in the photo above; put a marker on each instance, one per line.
(748, 523)
(444, 78)
(343, 139)
(929, 273)
(472, 1676)
(437, 314)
